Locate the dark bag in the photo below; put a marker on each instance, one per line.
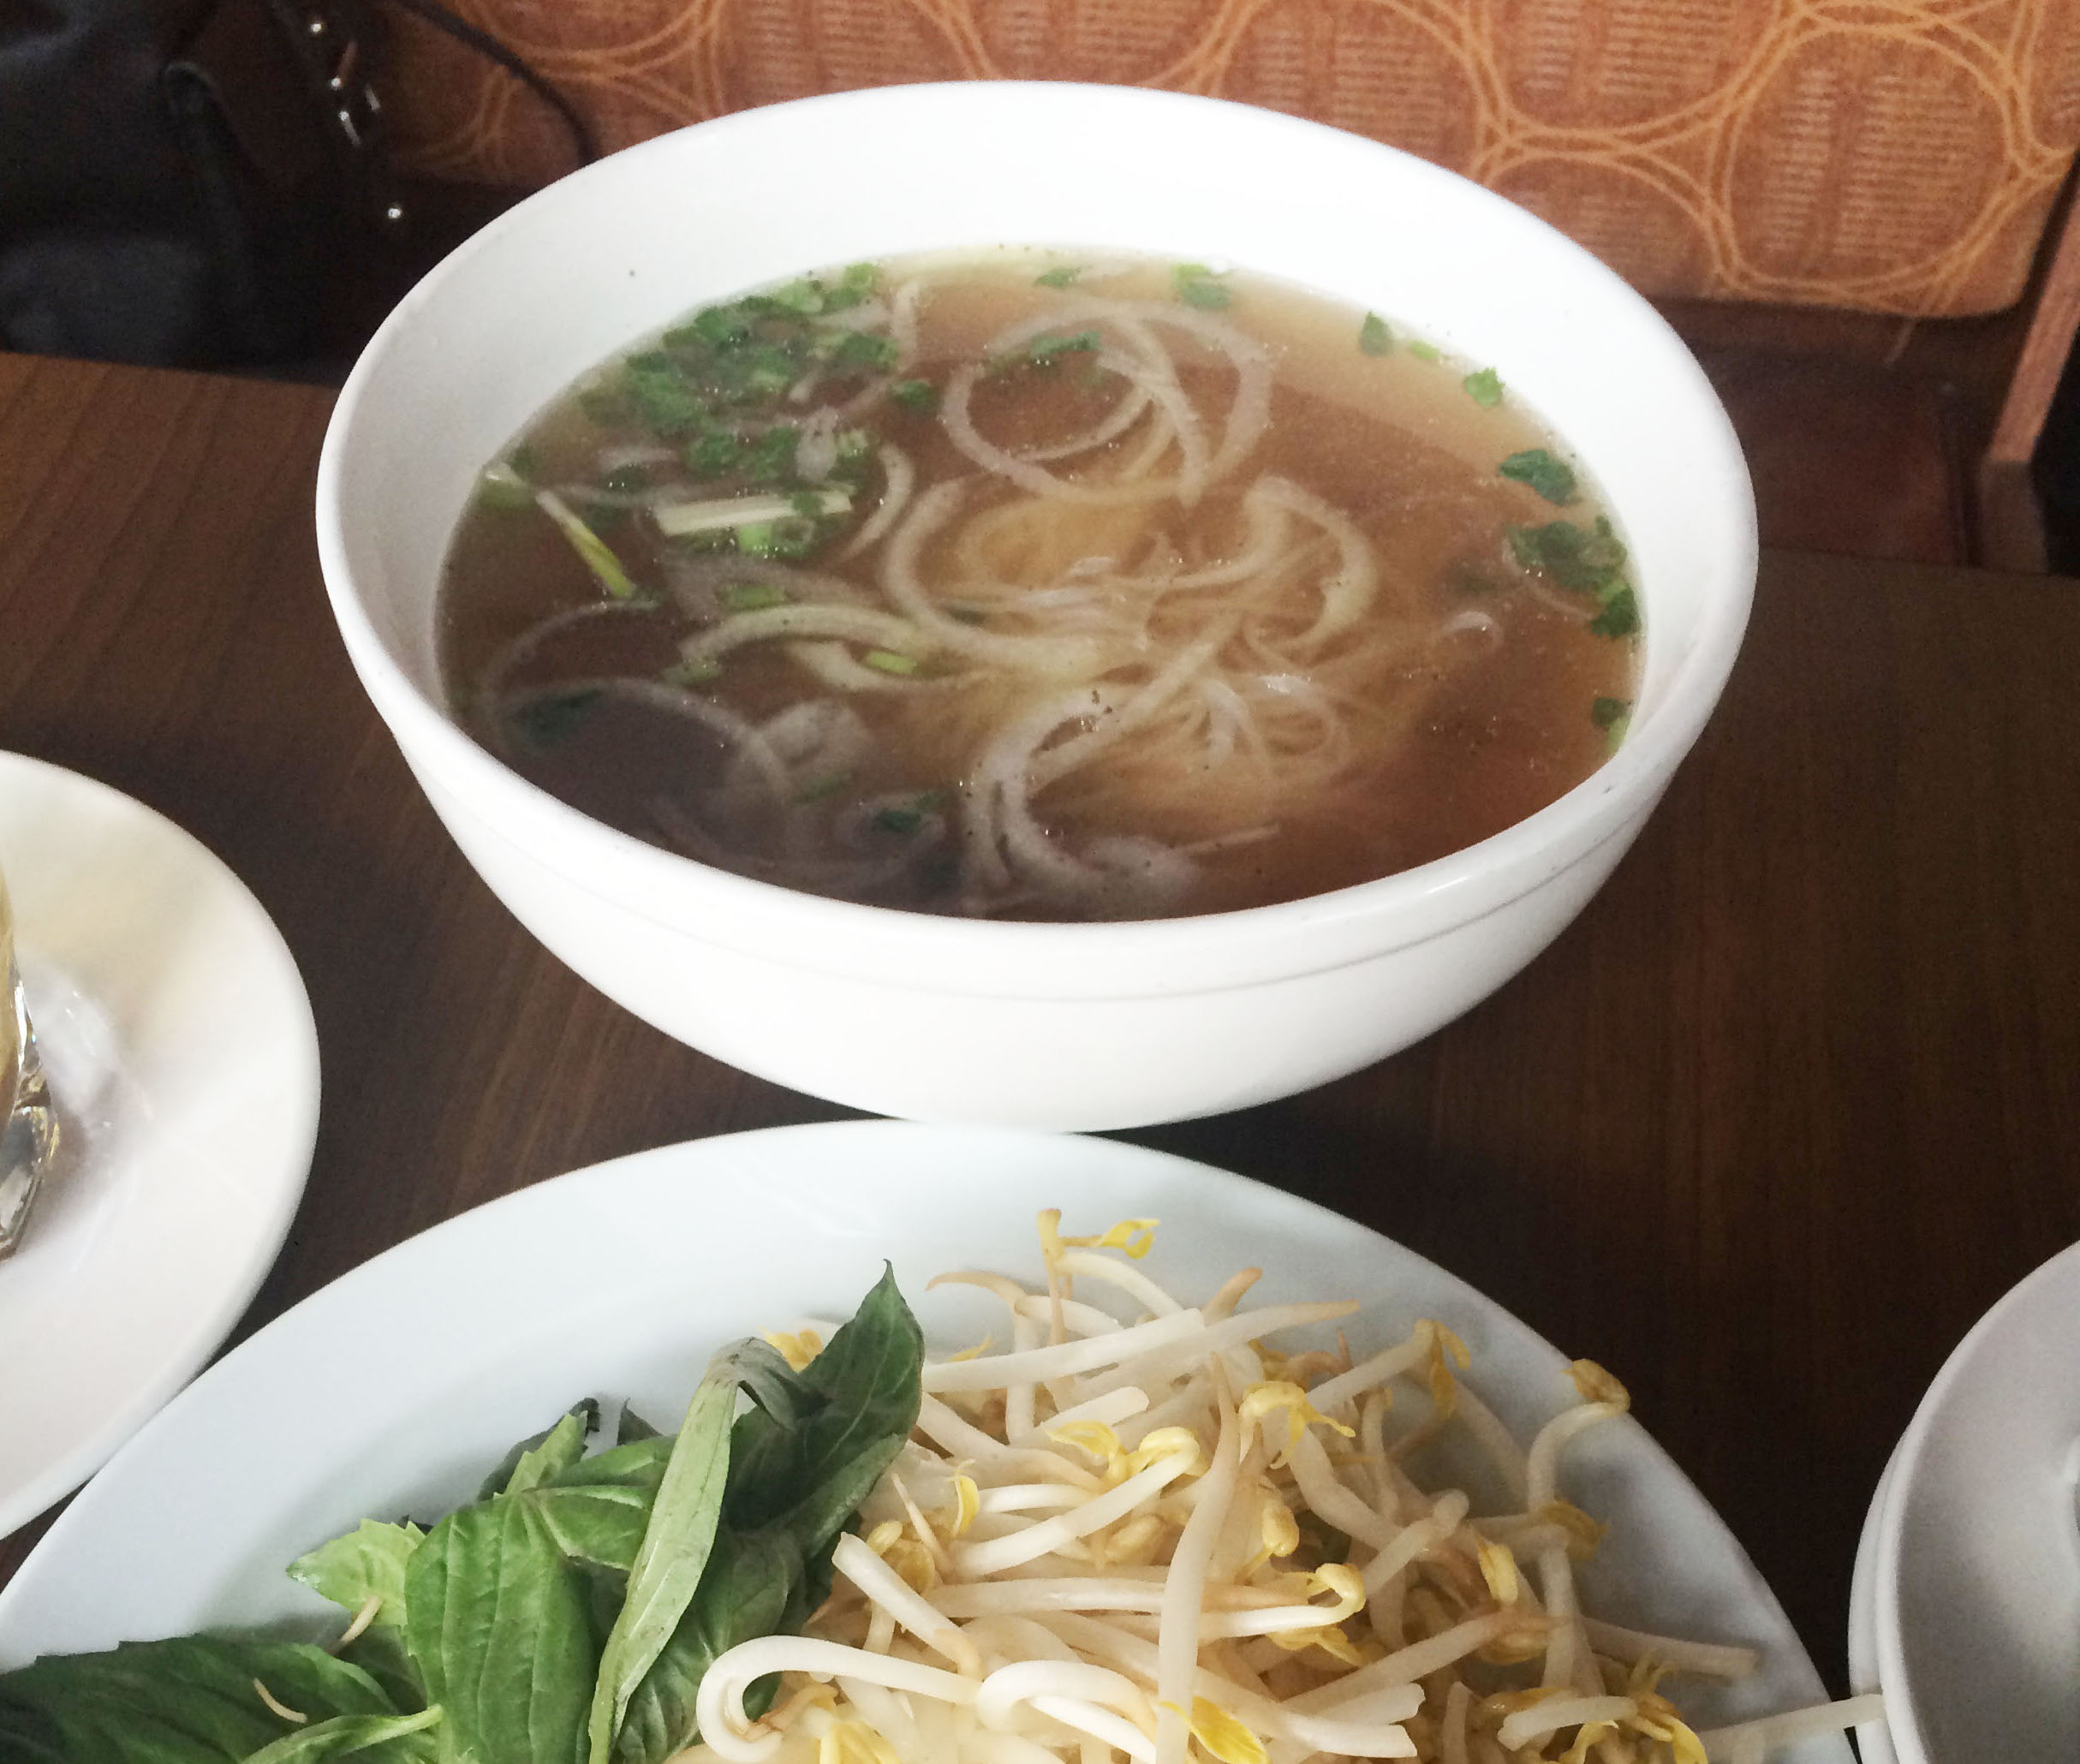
(177, 175)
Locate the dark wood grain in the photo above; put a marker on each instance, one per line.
(1794, 1101)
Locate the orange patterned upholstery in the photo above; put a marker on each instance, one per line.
(1895, 156)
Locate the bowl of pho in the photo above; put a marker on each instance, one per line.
(1038, 604)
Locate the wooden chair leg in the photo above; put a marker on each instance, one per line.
(2011, 520)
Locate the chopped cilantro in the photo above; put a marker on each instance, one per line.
(1198, 286)
(918, 395)
(711, 454)
(853, 287)
(1062, 276)
(1423, 351)
(1620, 616)
(548, 721)
(1375, 337)
(771, 457)
(1484, 386)
(750, 596)
(719, 327)
(1552, 478)
(1606, 711)
(1583, 559)
(805, 297)
(657, 386)
(888, 661)
(864, 350)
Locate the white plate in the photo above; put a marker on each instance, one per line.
(180, 1053)
(1874, 1738)
(1975, 1586)
(392, 1390)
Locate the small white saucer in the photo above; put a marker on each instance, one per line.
(178, 1043)
(1965, 1606)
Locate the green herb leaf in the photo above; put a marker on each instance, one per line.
(547, 722)
(392, 1739)
(713, 453)
(1605, 711)
(864, 351)
(1375, 337)
(750, 596)
(1062, 276)
(1620, 616)
(1425, 351)
(546, 1456)
(800, 1464)
(500, 1628)
(669, 1564)
(1586, 560)
(1198, 286)
(1045, 350)
(189, 1700)
(367, 1562)
(918, 395)
(1484, 386)
(657, 386)
(1552, 478)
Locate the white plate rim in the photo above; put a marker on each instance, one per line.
(57, 1573)
(277, 1169)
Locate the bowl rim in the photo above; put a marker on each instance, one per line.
(1409, 906)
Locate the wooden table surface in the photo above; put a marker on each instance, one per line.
(1793, 1102)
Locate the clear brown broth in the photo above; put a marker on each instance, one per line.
(1454, 739)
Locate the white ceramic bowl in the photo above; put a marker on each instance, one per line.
(1966, 1611)
(1075, 1025)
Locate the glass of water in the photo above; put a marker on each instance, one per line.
(29, 1132)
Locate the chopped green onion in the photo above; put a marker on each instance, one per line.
(1199, 286)
(819, 788)
(1484, 386)
(678, 519)
(657, 386)
(1062, 276)
(1552, 478)
(915, 394)
(1375, 338)
(890, 662)
(599, 556)
(1044, 350)
(503, 487)
(1423, 351)
(750, 596)
(714, 453)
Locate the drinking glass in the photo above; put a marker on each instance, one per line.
(29, 1131)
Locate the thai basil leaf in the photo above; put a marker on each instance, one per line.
(669, 1560)
(189, 1700)
(800, 1464)
(755, 1584)
(375, 1739)
(500, 1627)
(367, 1562)
(544, 1455)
